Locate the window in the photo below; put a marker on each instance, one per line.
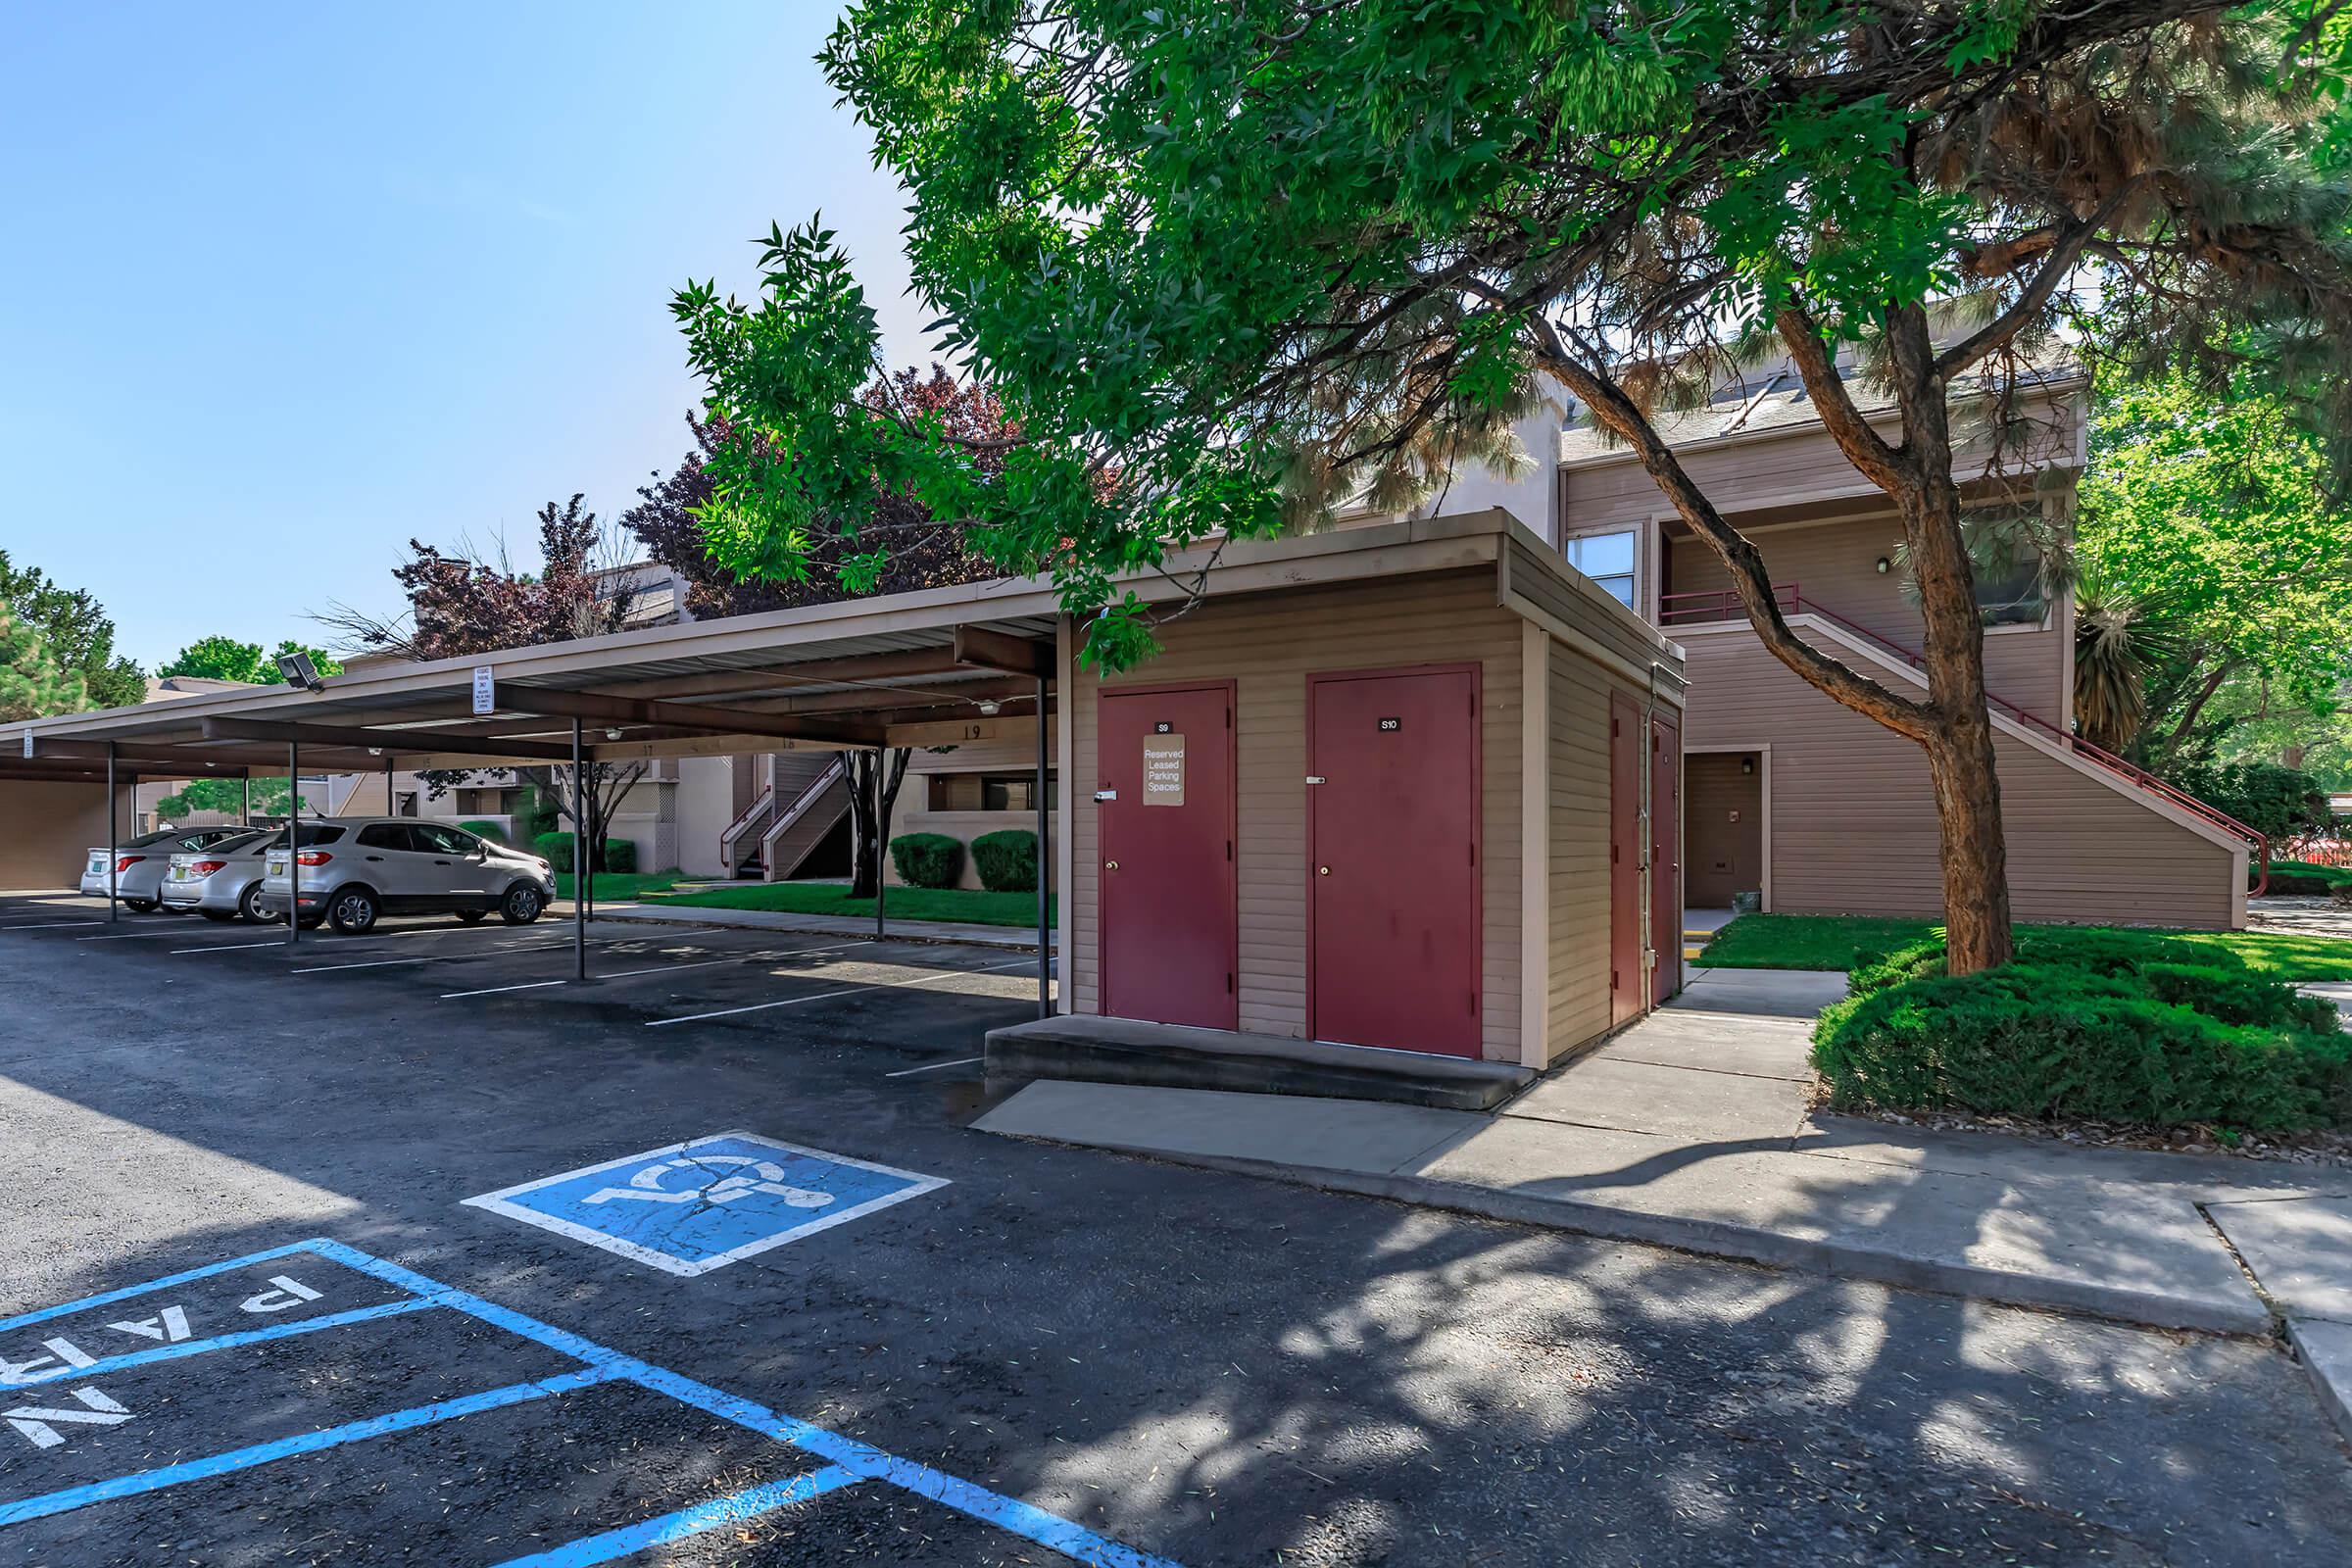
(987, 792)
(1608, 560)
(2005, 558)
(434, 839)
(384, 836)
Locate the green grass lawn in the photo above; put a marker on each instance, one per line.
(1830, 941)
(961, 906)
(618, 887)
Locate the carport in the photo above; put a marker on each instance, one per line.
(1409, 793)
(940, 667)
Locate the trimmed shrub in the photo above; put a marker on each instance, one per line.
(485, 830)
(927, 860)
(2305, 877)
(2050, 1040)
(539, 813)
(621, 854)
(1006, 860)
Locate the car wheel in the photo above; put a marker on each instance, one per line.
(522, 904)
(218, 916)
(250, 911)
(139, 905)
(353, 910)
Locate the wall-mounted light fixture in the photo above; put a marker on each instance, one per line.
(298, 670)
(989, 710)
(613, 733)
(1884, 565)
(1747, 764)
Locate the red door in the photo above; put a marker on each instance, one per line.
(1170, 920)
(1625, 857)
(1392, 907)
(1666, 855)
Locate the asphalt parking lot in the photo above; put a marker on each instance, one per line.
(353, 1251)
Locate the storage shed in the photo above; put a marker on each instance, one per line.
(1413, 786)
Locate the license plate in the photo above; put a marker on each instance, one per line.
(180, 873)
(277, 867)
(97, 863)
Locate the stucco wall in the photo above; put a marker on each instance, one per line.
(49, 830)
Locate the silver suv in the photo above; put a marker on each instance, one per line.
(406, 865)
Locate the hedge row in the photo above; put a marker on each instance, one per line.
(2106, 1026)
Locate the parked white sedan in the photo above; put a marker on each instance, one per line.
(137, 877)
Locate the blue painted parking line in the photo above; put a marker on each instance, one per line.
(740, 1508)
(688, 1208)
(846, 1461)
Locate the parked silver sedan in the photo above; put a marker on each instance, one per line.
(220, 880)
(139, 871)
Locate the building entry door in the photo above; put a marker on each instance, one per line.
(1393, 874)
(1666, 855)
(1625, 858)
(1170, 914)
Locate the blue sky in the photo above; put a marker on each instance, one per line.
(287, 287)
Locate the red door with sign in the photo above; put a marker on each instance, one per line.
(1392, 907)
(1666, 855)
(1170, 920)
(1625, 858)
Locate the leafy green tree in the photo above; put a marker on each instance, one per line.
(80, 637)
(2214, 518)
(226, 795)
(220, 658)
(1225, 265)
(31, 686)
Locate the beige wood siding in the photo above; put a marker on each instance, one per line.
(1542, 579)
(1269, 644)
(1853, 816)
(1835, 565)
(1577, 1007)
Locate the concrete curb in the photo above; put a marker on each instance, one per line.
(2325, 1350)
(1750, 1244)
(817, 925)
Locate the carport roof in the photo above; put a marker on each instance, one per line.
(906, 669)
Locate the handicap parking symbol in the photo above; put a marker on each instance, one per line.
(691, 1207)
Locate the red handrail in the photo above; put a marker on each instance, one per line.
(1722, 604)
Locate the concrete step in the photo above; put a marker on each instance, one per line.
(1128, 1051)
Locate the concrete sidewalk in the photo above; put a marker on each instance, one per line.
(1692, 1129)
(1013, 939)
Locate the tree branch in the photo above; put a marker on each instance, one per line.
(1881, 464)
(1751, 579)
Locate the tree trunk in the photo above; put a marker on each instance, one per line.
(1960, 752)
(865, 833)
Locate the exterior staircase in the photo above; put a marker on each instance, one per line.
(810, 813)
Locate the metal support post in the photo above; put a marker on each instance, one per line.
(881, 846)
(293, 841)
(1045, 926)
(113, 837)
(580, 860)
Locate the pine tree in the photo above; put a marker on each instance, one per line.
(31, 686)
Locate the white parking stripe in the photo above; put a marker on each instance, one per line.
(49, 925)
(824, 995)
(438, 958)
(230, 947)
(960, 1062)
(491, 991)
(132, 936)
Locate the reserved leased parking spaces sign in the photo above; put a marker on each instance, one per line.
(692, 1207)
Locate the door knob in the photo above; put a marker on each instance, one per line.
(1322, 870)
(1110, 865)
